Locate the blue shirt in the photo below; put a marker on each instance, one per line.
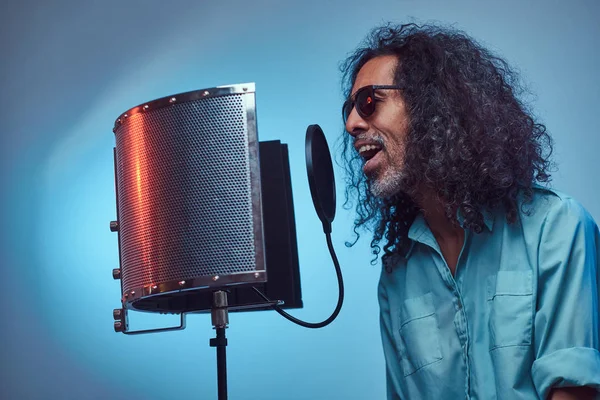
(519, 316)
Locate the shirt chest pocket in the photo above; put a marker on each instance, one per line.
(510, 304)
(417, 333)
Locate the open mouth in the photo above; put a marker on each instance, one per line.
(369, 151)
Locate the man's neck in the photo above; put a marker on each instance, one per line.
(435, 215)
(449, 236)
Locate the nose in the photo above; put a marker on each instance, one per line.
(355, 124)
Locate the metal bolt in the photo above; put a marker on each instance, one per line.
(206, 93)
(154, 287)
(116, 273)
(146, 107)
(256, 274)
(133, 292)
(172, 100)
(215, 278)
(245, 89)
(125, 115)
(181, 283)
(114, 226)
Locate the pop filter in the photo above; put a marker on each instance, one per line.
(320, 175)
(322, 190)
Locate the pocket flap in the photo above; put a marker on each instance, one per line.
(512, 283)
(415, 308)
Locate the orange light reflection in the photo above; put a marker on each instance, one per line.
(143, 207)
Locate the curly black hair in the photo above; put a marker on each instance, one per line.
(471, 137)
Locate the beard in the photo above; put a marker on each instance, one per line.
(388, 184)
(389, 178)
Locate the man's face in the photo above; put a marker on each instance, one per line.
(380, 137)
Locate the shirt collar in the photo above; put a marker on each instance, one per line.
(488, 219)
(419, 227)
(416, 230)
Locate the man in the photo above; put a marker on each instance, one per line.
(490, 282)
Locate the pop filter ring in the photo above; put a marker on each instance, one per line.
(321, 180)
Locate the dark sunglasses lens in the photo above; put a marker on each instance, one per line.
(365, 103)
(347, 109)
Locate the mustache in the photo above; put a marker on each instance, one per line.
(372, 138)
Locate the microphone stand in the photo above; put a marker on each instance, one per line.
(220, 320)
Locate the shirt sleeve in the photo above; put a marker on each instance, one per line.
(566, 341)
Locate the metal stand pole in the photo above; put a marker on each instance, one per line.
(220, 320)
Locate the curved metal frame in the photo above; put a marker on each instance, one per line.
(185, 97)
(259, 275)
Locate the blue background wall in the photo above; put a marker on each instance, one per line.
(69, 68)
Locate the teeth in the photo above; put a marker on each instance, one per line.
(367, 148)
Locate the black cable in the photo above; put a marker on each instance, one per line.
(338, 307)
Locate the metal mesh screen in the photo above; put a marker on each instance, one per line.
(185, 193)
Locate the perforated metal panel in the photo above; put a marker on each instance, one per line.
(189, 192)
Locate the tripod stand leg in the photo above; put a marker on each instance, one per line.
(220, 320)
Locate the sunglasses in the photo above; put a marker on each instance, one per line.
(364, 101)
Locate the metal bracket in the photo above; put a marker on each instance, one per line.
(122, 324)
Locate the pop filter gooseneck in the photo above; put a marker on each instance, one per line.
(322, 189)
